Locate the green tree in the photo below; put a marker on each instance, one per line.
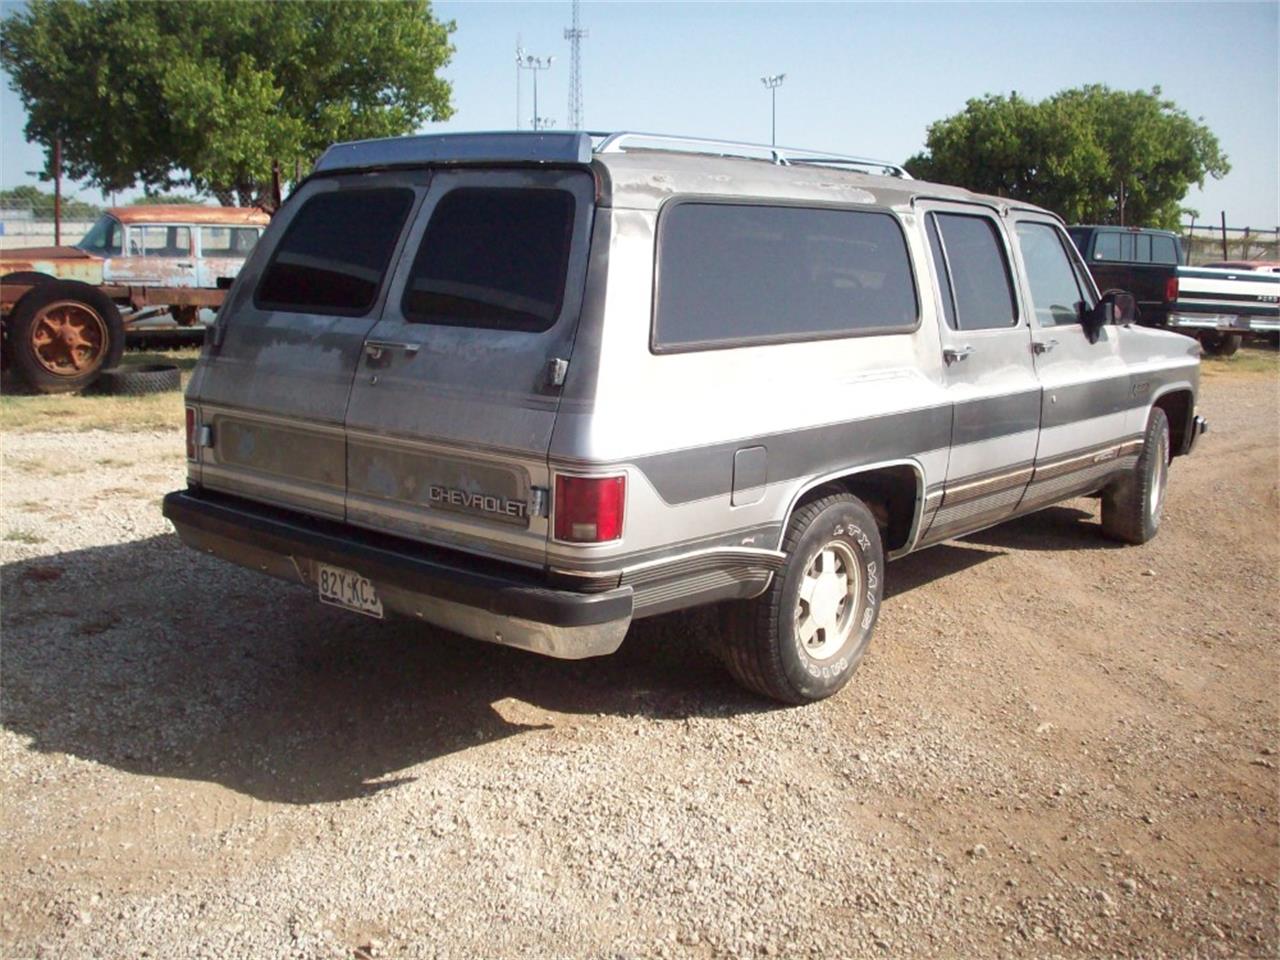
(40, 203)
(1092, 154)
(208, 95)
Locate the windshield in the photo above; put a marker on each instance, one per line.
(105, 238)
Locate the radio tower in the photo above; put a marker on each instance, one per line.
(575, 35)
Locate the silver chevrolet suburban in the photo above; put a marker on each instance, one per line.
(530, 387)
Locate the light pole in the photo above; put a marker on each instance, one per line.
(773, 83)
(530, 62)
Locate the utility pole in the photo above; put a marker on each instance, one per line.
(535, 64)
(58, 192)
(773, 83)
(519, 58)
(575, 35)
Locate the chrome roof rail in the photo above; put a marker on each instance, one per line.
(623, 140)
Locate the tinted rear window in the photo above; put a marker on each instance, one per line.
(730, 273)
(494, 258)
(979, 273)
(334, 255)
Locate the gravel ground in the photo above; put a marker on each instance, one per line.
(1055, 747)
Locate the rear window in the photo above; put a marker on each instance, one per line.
(494, 258)
(733, 274)
(334, 254)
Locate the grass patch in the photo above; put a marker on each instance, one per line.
(161, 411)
(1248, 361)
(22, 536)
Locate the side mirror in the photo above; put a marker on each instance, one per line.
(1115, 306)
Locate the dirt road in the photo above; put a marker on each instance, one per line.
(1056, 747)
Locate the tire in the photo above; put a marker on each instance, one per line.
(138, 381)
(1131, 506)
(1220, 344)
(62, 335)
(763, 641)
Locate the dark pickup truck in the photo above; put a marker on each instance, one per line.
(1217, 305)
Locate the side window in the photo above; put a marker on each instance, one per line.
(1163, 250)
(160, 241)
(334, 254)
(493, 258)
(1055, 291)
(106, 237)
(731, 274)
(977, 272)
(233, 242)
(1107, 246)
(1127, 253)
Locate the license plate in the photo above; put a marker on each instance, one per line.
(346, 588)
(1227, 322)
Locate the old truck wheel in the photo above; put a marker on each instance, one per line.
(1220, 344)
(62, 334)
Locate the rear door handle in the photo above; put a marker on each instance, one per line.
(376, 348)
(1043, 346)
(953, 354)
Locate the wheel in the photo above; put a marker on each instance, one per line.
(802, 639)
(62, 334)
(137, 381)
(1132, 505)
(1220, 344)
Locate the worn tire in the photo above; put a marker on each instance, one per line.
(92, 303)
(1220, 344)
(1131, 505)
(761, 639)
(139, 380)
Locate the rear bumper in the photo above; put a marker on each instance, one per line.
(1223, 322)
(477, 598)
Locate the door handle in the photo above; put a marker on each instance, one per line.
(185, 264)
(953, 354)
(376, 348)
(1043, 346)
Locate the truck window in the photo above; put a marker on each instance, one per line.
(1107, 246)
(1142, 248)
(731, 274)
(334, 254)
(1163, 250)
(493, 257)
(105, 238)
(974, 271)
(233, 242)
(1055, 290)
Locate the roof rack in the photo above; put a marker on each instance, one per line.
(621, 141)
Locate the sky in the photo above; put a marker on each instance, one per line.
(861, 78)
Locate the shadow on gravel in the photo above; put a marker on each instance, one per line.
(1056, 528)
(918, 569)
(158, 661)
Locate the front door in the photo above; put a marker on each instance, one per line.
(989, 373)
(457, 386)
(156, 255)
(1085, 429)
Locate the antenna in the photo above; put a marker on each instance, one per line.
(575, 35)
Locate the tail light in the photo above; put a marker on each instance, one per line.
(589, 509)
(1171, 289)
(191, 433)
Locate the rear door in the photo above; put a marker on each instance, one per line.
(275, 384)
(456, 390)
(223, 250)
(989, 373)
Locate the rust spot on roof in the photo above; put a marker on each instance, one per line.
(189, 213)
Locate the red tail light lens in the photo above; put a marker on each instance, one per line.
(589, 509)
(1171, 290)
(191, 433)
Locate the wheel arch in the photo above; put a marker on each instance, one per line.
(1177, 400)
(893, 490)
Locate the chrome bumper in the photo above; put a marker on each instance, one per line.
(1223, 322)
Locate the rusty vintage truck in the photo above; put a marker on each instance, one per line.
(64, 310)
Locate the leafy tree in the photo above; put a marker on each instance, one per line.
(1092, 154)
(167, 198)
(41, 204)
(208, 95)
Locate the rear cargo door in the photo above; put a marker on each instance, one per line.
(277, 379)
(456, 390)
